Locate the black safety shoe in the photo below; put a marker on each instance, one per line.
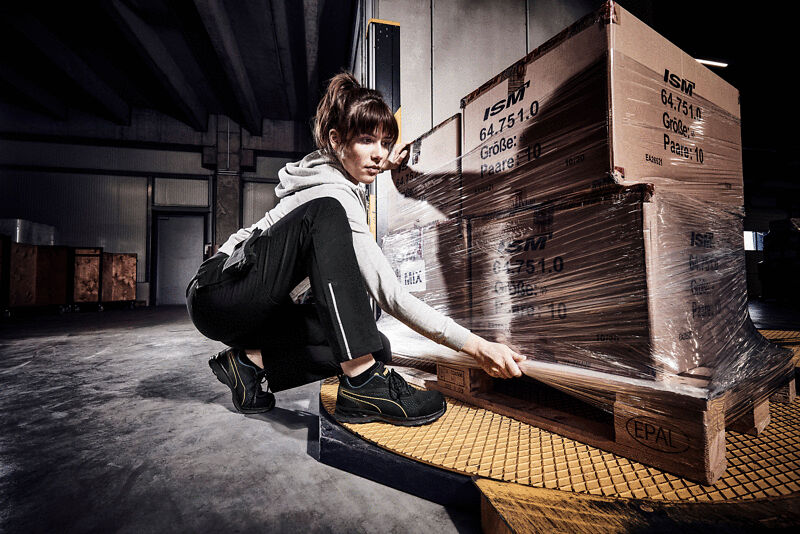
(235, 370)
(386, 397)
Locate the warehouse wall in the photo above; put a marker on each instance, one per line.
(86, 210)
(258, 189)
(97, 195)
(450, 47)
(97, 158)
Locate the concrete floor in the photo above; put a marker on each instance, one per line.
(113, 422)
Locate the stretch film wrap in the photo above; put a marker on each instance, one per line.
(594, 224)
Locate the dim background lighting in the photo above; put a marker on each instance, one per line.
(711, 63)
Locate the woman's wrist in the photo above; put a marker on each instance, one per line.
(472, 345)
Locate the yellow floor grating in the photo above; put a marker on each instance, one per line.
(784, 336)
(787, 338)
(474, 441)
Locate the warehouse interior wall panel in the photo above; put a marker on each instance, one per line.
(180, 192)
(546, 18)
(87, 210)
(146, 125)
(268, 167)
(414, 17)
(472, 41)
(447, 49)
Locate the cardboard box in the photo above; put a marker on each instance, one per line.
(606, 100)
(427, 189)
(622, 281)
(432, 264)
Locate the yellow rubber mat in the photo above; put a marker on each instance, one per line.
(474, 441)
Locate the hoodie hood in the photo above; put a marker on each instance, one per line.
(315, 169)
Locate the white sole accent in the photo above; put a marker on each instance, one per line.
(338, 318)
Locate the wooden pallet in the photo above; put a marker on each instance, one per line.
(679, 434)
(512, 508)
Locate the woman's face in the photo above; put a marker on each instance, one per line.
(363, 155)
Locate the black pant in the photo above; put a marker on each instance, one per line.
(253, 310)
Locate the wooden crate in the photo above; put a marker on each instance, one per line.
(119, 277)
(88, 271)
(38, 275)
(22, 275)
(52, 276)
(676, 433)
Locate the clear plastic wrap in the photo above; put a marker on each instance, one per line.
(594, 223)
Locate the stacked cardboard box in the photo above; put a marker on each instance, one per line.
(427, 188)
(598, 230)
(620, 281)
(432, 264)
(607, 100)
(566, 256)
(427, 241)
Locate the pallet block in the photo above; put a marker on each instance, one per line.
(754, 420)
(786, 394)
(676, 433)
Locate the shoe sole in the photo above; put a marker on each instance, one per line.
(223, 376)
(344, 416)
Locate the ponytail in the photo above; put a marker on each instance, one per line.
(351, 110)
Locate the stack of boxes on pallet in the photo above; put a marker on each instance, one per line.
(593, 220)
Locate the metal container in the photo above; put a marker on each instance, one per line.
(29, 232)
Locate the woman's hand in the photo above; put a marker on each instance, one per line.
(398, 155)
(496, 359)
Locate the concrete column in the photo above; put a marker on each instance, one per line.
(227, 179)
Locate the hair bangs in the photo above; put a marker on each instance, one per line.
(370, 116)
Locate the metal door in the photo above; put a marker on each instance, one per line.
(179, 254)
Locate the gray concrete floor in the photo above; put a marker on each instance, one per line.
(113, 422)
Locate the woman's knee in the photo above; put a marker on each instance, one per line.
(385, 354)
(327, 210)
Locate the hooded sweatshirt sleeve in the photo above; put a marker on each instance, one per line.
(393, 298)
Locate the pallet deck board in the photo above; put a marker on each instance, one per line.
(513, 508)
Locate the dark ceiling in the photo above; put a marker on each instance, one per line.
(759, 42)
(267, 59)
(246, 59)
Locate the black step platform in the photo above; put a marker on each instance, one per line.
(341, 449)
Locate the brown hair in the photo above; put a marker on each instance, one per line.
(351, 110)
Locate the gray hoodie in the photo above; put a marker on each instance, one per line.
(318, 175)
